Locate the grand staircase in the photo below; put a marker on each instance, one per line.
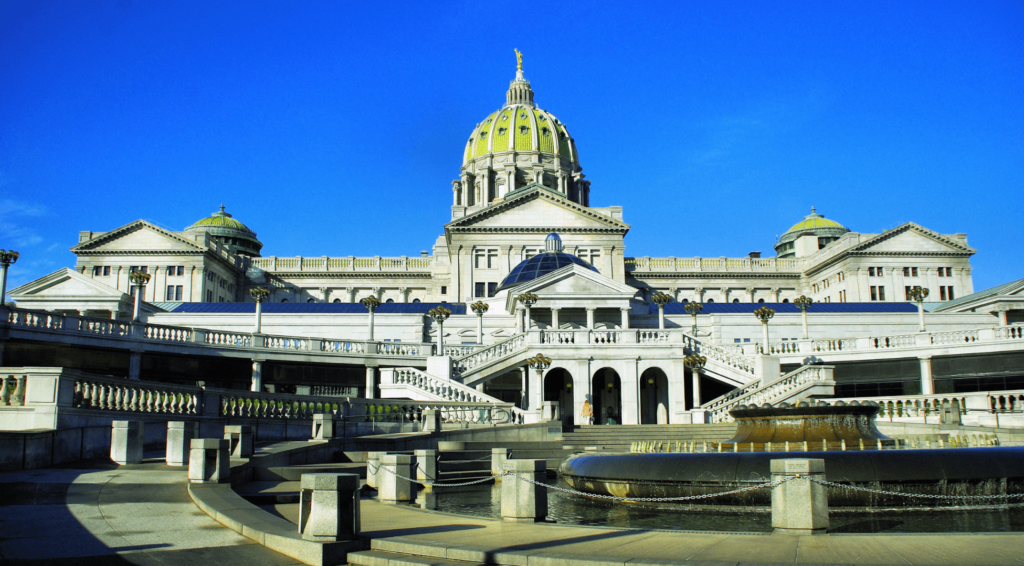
(802, 383)
(619, 438)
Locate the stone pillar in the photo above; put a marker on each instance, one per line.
(323, 426)
(432, 420)
(625, 319)
(126, 442)
(208, 461)
(257, 375)
(1004, 320)
(696, 388)
(135, 364)
(257, 326)
(800, 506)
(524, 400)
(394, 488)
(426, 467)
(522, 501)
(239, 438)
(590, 318)
(329, 507)
(179, 441)
(527, 323)
(554, 318)
(373, 469)
(369, 322)
(498, 458)
(927, 384)
(479, 331)
(370, 383)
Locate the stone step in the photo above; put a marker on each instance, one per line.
(448, 446)
(294, 473)
(381, 558)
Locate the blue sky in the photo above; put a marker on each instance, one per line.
(335, 128)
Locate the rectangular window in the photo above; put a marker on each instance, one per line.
(106, 270)
(142, 268)
(871, 272)
(209, 296)
(945, 272)
(170, 270)
(177, 292)
(181, 271)
(877, 293)
(842, 296)
(479, 289)
(946, 293)
(881, 293)
(492, 288)
(949, 292)
(170, 292)
(444, 289)
(97, 271)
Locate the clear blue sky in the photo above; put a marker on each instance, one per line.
(335, 128)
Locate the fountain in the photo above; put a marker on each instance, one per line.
(845, 436)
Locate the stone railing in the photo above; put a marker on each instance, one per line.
(405, 349)
(436, 388)
(920, 408)
(605, 337)
(220, 338)
(1012, 332)
(718, 354)
(557, 337)
(698, 264)
(130, 396)
(342, 264)
(833, 345)
(488, 354)
(790, 384)
(653, 337)
(12, 389)
(166, 333)
(459, 350)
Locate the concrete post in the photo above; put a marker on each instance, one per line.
(373, 469)
(554, 318)
(440, 338)
(920, 316)
(625, 319)
(369, 323)
(426, 467)
(135, 364)
(394, 488)
(803, 316)
(137, 314)
(126, 442)
(208, 461)
(323, 426)
(800, 506)
(522, 501)
(927, 384)
(431, 420)
(179, 441)
(767, 348)
(370, 385)
(661, 317)
(257, 375)
(527, 321)
(329, 507)
(258, 326)
(590, 318)
(240, 439)
(498, 458)
(696, 388)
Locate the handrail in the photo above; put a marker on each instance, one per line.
(796, 379)
(496, 351)
(442, 389)
(719, 354)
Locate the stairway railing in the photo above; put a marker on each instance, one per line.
(790, 383)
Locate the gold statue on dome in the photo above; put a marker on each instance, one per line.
(519, 60)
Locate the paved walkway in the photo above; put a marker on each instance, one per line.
(97, 513)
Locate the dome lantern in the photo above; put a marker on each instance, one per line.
(231, 233)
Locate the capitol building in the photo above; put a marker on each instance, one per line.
(615, 327)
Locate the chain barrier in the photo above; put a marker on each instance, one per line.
(431, 482)
(917, 495)
(654, 499)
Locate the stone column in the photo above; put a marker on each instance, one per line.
(426, 467)
(240, 439)
(370, 382)
(524, 401)
(527, 321)
(135, 364)
(126, 442)
(625, 318)
(479, 329)
(329, 507)
(590, 318)
(370, 325)
(257, 375)
(373, 469)
(323, 426)
(522, 501)
(1004, 320)
(498, 458)
(554, 318)
(469, 274)
(696, 387)
(394, 488)
(208, 461)
(799, 506)
(179, 442)
(927, 384)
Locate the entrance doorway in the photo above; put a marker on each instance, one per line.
(558, 388)
(607, 388)
(653, 397)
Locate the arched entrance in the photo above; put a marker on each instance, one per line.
(558, 388)
(653, 397)
(607, 402)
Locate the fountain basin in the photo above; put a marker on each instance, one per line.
(811, 424)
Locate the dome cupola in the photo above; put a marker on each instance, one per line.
(809, 235)
(231, 233)
(541, 264)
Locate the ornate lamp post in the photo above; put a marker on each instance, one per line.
(439, 314)
(661, 299)
(7, 258)
(480, 308)
(371, 303)
(764, 314)
(527, 300)
(139, 279)
(802, 302)
(693, 309)
(918, 294)
(259, 294)
(696, 363)
(539, 363)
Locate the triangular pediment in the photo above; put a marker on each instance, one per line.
(138, 237)
(571, 283)
(65, 283)
(911, 238)
(538, 208)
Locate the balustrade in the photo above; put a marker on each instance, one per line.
(219, 338)
(652, 337)
(166, 333)
(834, 345)
(557, 337)
(487, 354)
(12, 390)
(605, 337)
(719, 354)
(111, 394)
(754, 395)
(286, 343)
(642, 264)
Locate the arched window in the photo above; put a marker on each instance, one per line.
(735, 300)
(785, 300)
(311, 301)
(389, 301)
(336, 301)
(686, 301)
(760, 300)
(415, 300)
(711, 300)
(284, 300)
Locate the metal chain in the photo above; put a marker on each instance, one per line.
(427, 483)
(920, 495)
(654, 499)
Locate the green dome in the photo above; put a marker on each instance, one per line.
(520, 127)
(236, 236)
(814, 224)
(813, 221)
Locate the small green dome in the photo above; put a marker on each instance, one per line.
(814, 224)
(231, 233)
(813, 221)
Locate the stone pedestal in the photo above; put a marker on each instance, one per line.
(179, 441)
(208, 461)
(431, 420)
(551, 412)
(329, 507)
(126, 442)
(323, 426)
(426, 467)
(240, 437)
(498, 458)
(522, 501)
(395, 489)
(799, 506)
(373, 469)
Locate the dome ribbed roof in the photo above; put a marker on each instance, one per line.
(539, 265)
(814, 223)
(520, 128)
(232, 233)
(224, 219)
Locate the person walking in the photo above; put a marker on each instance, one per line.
(587, 413)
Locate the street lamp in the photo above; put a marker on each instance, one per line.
(527, 300)
(7, 258)
(693, 309)
(139, 279)
(439, 314)
(480, 308)
(371, 303)
(696, 363)
(661, 299)
(539, 363)
(803, 302)
(918, 294)
(764, 314)
(259, 294)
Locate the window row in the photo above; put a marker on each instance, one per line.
(171, 270)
